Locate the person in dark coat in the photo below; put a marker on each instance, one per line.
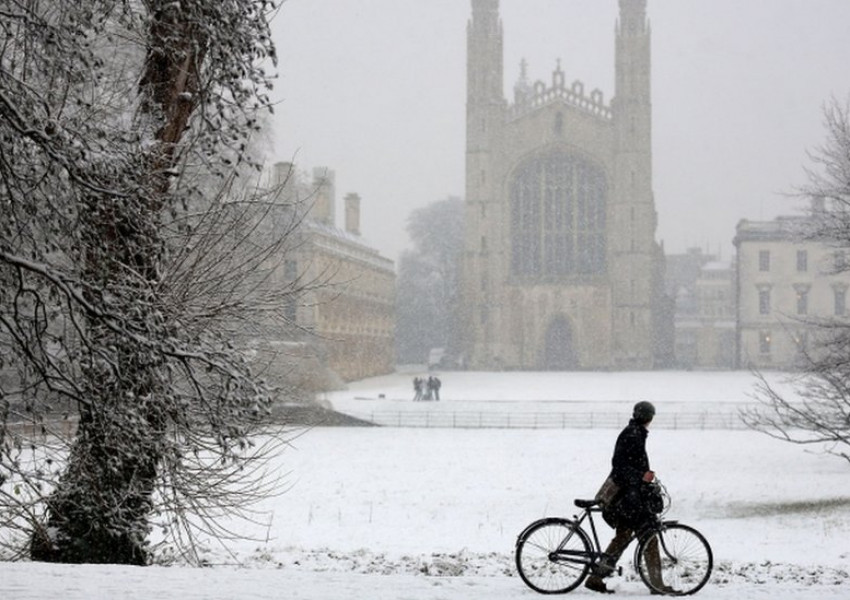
(435, 384)
(631, 473)
(630, 468)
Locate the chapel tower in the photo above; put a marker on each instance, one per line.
(634, 252)
(561, 266)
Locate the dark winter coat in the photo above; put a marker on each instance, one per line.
(628, 466)
(630, 462)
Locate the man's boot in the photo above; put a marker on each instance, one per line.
(595, 583)
(608, 563)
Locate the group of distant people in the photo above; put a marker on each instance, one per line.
(426, 389)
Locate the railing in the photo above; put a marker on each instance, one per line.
(481, 420)
(64, 428)
(544, 420)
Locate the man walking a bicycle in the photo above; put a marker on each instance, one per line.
(629, 505)
(555, 554)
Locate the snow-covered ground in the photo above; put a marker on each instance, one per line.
(583, 399)
(432, 514)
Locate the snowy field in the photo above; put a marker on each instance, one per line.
(583, 399)
(433, 514)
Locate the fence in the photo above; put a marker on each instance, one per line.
(62, 428)
(545, 420)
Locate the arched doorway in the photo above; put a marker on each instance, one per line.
(559, 352)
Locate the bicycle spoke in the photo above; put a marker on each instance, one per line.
(676, 560)
(552, 556)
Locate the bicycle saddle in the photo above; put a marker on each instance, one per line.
(585, 503)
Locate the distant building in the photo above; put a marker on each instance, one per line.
(347, 316)
(704, 322)
(682, 270)
(561, 269)
(786, 286)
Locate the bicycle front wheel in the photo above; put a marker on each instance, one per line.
(552, 555)
(675, 560)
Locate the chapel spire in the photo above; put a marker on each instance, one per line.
(633, 17)
(484, 54)
(633, 48)
(485, 6)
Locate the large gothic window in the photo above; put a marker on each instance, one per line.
(558, 218)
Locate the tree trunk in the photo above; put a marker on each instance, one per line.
(100, 512)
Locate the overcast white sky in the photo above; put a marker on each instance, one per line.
(376, 90)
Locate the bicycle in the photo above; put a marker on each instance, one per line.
(554, 555)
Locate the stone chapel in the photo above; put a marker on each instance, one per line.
(561, 269)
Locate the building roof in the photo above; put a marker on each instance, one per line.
(348, 244)
(782, 228)
(717, 265)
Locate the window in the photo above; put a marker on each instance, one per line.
(558, 218)
(764, 342)
(764, 301)
(801, 342)
(840, 294)
(802, 261)
(802, 301)
(764, 260)
(290, 306)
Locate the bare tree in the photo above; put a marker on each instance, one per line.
(126, 405)
(817, 411)
(428, 285)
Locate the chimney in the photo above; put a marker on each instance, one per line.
(352, 213)
(282, 172)
(324, 201)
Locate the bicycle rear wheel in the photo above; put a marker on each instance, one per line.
(675, 560)
(552, 555)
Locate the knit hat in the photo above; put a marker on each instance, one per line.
(643, 412)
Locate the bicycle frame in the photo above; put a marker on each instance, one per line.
(584, 558)
(580, 557)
